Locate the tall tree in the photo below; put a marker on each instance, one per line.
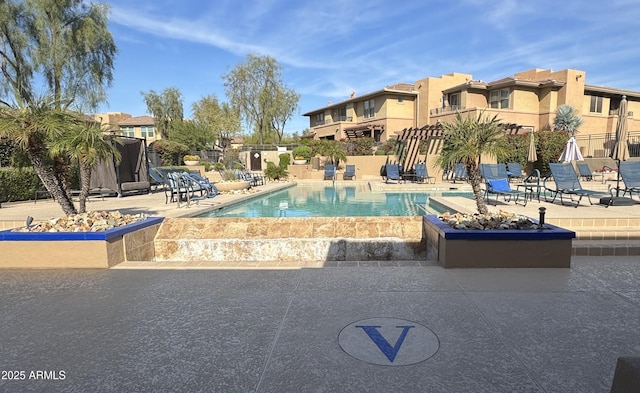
(166, 107)
(66, 44)
(466, 140)
(286, 103)
(220, 117)
(253, 88)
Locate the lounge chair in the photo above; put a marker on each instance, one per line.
(330, 172)
(349, 172)
(497, 182)
(630, 174)
(205, 184)
(422, 175)
(253, 178)
(585, 171)
(392, 172)
(514, 170)
(460, 173)
(566, 182)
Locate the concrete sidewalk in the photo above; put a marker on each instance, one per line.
(320, 330)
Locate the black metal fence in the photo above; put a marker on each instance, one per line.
(600, 145)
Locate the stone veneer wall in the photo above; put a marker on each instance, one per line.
(290, 239)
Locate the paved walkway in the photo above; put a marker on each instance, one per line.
(320, 330)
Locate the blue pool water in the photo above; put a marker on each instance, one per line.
(332, 201)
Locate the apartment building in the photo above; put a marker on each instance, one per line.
(528, 100)
(127, 125)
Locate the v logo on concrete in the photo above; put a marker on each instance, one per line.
(388, 341)
(389, 351)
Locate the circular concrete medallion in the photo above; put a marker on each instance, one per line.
(388, 341)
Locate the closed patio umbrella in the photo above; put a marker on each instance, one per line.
(532, 156)
(571, 152)
(620, 150)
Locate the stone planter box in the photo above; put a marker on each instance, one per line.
(232, 186)
(455, 248)
(46, 250)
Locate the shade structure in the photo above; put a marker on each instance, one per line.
(571, 152)
(532, 155)
(620, 150)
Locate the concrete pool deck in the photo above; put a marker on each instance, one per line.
(191, 329)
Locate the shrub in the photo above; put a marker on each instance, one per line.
(285, 160)
(302, 151)
(229, 175)
(18, 184)
(218, 166)
(362, 146)
(275, 172)
(189, 157)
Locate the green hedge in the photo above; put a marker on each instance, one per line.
(18, 184)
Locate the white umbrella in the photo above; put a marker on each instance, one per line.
(532, 155)
(571, 152)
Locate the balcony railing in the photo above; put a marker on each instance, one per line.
(446, 109)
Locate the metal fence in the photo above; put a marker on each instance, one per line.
(600, 145)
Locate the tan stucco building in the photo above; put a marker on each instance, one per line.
(528, 99)
(127, 125)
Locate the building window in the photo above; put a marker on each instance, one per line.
(499, 99)
(343, 113)
(147, 131)
(320, 119)
(400, 99)
(128, 131)
(596, 104)
(369, 108)
(454, 101)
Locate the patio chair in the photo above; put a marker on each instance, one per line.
(349, 172)
(253, 178)
(392, 172)
(630, 174)
(460, 173)
(514, 170)
(330, 172)
(566, 182)
(422, 175)
(585, 171)
(205, 184)
(156, 177)
(497, 182)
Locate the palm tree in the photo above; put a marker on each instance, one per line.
(465, 141)
(31, 126)
(335, 151)
(88, 145)
(567, 120)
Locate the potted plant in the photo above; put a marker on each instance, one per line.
(301, 155)
(232, 180)
(191, 160)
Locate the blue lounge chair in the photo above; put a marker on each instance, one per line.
(585, 171)
(566, 182)
(349, 172)
(460, 172)
(422, 174)
(630, 174)
(392, 172)
(514, 170)
(497, 182)
(330, 172)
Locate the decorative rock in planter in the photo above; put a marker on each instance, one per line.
(501, 248)
(133, 242)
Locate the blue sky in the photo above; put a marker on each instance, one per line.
(329, 49)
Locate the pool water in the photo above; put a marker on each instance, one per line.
(333, 201)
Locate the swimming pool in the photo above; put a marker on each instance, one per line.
(333, 201)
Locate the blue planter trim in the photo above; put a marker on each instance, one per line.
(56, 236)
(551, 232)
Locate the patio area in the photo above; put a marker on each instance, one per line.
(356, 326)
